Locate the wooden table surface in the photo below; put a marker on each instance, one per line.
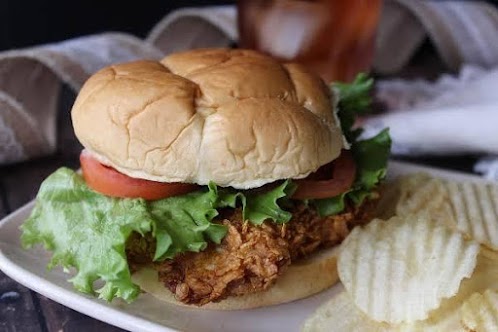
(24, 310)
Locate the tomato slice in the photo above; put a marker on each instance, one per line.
(108, 181)
(329, 180)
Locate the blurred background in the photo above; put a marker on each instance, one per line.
(57, 20)
(25, 23)
(409, 46)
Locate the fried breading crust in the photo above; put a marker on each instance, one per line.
(250, 258)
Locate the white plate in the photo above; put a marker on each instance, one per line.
(147, 313)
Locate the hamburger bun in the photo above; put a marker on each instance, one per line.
(301, 279)
(234, 117)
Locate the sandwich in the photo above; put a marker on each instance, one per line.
(219, 178)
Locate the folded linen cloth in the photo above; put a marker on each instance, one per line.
(454, 115)
(30, 81)
(462, 32)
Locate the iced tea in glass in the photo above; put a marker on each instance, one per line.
(335, 38)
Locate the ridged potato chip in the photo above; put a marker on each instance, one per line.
(341, 315)
(475, 210)
(480, 312)
(399, 270)
(447, 316)
(469, 207)
(414, 193)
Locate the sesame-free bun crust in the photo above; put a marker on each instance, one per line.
(234, 117)
(302, 279)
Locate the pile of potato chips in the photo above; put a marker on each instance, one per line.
(429, 263)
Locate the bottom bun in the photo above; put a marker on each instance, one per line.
(302, 279)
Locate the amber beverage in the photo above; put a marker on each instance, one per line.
(335, 38)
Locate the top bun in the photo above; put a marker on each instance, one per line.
(234, 117)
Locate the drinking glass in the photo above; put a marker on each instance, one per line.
(335, 38)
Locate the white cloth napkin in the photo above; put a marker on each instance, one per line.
(454, 115)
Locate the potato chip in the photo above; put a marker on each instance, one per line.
(341, 315)
(401, 269)
(480, 312)
(475, 210)
(447, 316)
(418, 191)
(414, 193)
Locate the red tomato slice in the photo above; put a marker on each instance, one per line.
(108, 181)
(341, 175)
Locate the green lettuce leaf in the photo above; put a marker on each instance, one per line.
(89, 231)
(354, 100)
(370, 155)
(330, 206)
(183, 223)
(260, 207)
